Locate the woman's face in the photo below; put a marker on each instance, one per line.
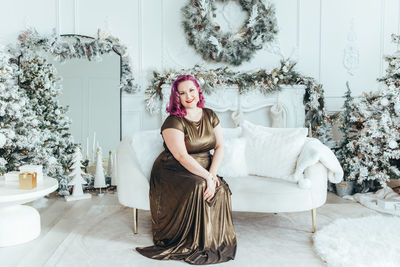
(188, 94)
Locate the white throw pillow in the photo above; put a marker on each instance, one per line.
(234, 162)
(147, 146)
(272, 152)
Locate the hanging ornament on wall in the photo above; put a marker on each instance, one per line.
(231, 47)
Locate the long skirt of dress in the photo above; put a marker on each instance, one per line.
(185, 226)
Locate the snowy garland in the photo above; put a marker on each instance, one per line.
(232, 48)
(80, 47)
(263, 80)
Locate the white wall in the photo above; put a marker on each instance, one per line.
(317, 31)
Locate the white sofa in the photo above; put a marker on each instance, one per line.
(250, 193)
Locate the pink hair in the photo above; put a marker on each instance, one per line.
(175, 106)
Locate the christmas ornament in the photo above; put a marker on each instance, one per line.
(393, 144)
(384, 102)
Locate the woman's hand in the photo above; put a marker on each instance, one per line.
(210, 190)
(216, 180)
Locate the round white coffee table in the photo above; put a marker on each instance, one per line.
(21, 223)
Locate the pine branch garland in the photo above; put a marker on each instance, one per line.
(265, 81)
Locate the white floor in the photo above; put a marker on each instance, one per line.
(97, 232)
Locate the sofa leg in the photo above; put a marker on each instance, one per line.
(135, 220)
(313, 214)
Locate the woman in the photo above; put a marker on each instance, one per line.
(190, 205)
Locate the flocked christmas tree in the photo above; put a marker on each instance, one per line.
(349, 127)
(18, 123)
(324, 134)
(42, 88)
(373, 153)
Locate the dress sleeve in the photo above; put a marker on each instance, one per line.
(173, 122)
(214, 119)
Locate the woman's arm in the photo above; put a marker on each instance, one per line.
(218, 151)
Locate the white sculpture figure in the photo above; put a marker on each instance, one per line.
(99, 178)
(77, 179)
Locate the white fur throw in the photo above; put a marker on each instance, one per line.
(312, 152)
(234, 162)
(272, 152)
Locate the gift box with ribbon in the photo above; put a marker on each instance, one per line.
(33, 168)
(27, 180)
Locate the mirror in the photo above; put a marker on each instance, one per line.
(91, 91)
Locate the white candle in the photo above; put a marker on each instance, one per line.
(94, 146)
(87, 148)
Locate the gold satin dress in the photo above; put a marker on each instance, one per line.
(185, 226)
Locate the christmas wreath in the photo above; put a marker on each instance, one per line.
(232, 48)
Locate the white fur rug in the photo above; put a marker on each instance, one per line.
(367, 241)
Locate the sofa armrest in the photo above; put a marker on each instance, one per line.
(133, 186)
(318, 175)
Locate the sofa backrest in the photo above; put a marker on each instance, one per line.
(147, 145)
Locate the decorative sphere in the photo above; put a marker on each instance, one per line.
(393, 144)
(384, 102)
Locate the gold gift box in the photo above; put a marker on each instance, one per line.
(27, 180)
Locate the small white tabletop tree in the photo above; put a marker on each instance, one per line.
(77, 179)
(99, 178)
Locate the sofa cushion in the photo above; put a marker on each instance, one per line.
(265, 194)
(234, 162)
(272, 152)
